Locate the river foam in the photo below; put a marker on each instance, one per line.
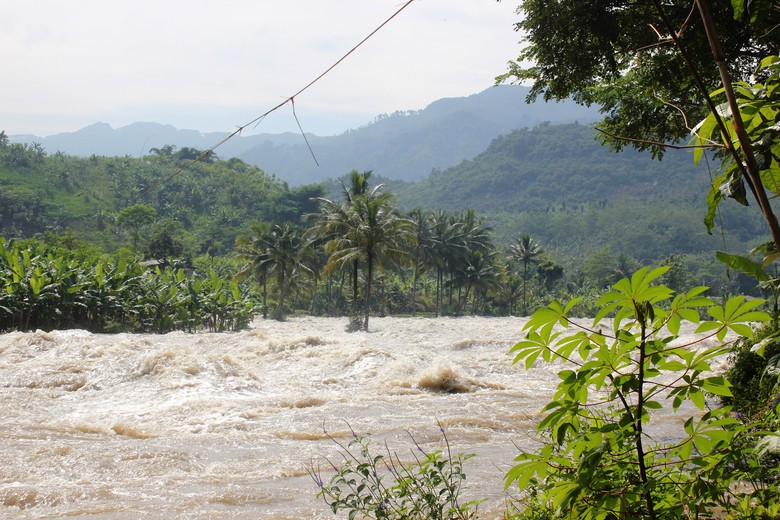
(222, 426)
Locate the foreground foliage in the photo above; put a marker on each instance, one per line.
(600, 459)
(428, 488)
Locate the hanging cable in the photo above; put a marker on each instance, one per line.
(210, 151)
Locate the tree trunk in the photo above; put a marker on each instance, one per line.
(369, 274)
(265, 296)
(748, 158)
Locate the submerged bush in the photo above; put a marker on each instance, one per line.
(378, 485)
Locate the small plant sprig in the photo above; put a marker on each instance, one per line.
(380, 486)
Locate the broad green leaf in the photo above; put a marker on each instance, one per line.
(743, 264)
(529, 465)
(716, 385)
(702, 137)
(697, 397)
(770, 177)
(713, 201)
(736, 315)
(739, 9)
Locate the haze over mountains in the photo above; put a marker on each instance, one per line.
(406, 145)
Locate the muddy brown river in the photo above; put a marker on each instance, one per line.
(223, 426)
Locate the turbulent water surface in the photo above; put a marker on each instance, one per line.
(197, 426)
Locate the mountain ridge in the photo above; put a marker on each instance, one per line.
(405, 145)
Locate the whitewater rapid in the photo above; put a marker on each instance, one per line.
(217, 426)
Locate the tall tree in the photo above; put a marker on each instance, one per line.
(623, 57)
(480, 273)
(136, 218)
(253, 253)
(367, 229)
(447, 239)
(278, 250)
(420, 249)
(525, 250)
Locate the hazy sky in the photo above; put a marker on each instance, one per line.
(214, 66)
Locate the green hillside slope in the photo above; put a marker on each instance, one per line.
(559, 184)
(205, 204)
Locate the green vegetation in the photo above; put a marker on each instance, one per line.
(577, 199)
(654, 67)
(621, 374)
(595, 224)
(121, 201)
(584, 227)
(430, 488)
(366, 229)
(50, 289)
(298, 251)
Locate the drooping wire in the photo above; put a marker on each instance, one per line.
(292, 103)
(210, 151)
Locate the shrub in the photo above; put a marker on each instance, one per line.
(598, 460)
(427, 489)
(753, 388)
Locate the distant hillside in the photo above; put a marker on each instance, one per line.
(404, 145)
(409, 145)
(559, 184)
(554, 165)
(137, 139)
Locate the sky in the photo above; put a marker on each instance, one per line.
(216, 66)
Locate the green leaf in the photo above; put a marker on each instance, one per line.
(529, 466)
(770, 176)
(739, 9)
(737, 314)
(716, 385)
(743, 264)
(697, 397)
(713, 201)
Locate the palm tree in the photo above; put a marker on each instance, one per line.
(480, 274)
(448, 245)
(253, 253)
(420, 249)
(333, 216)
(274, 250)
(357, 186)
(525, 250)
(284, 248)
(365, 230)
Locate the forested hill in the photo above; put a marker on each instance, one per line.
(162, 198)
(404, 145)
(409, 145)
(555, 166)
(559, 184)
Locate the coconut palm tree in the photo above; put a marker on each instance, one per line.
(284, 248)
(253, 253)
(333, 216)
(448, 245)
(421, 250)
(368, 230)
(479, 274)
(275, 249)
(525, 250)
